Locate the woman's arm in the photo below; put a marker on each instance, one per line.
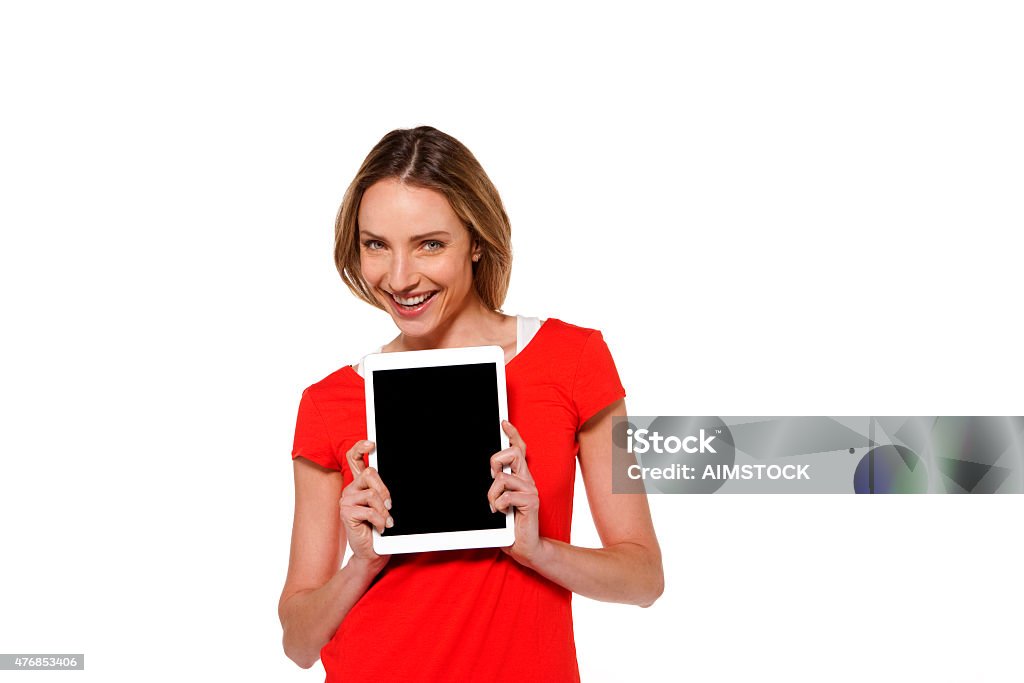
(628, 568)
(317, 595)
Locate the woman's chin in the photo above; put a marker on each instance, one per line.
(413, 327)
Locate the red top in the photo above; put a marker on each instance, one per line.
(472, 615)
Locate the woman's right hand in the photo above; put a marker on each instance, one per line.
(363, 503)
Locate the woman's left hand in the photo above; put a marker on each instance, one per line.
(517, 490)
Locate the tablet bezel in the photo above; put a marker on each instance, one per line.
(447, 540)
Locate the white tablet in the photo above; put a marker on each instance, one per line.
(435, 417)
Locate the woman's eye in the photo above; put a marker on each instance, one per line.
(372, 244)
(433, 245)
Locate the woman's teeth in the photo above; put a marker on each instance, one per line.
(415, 301)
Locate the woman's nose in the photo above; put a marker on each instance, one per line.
(402, 275)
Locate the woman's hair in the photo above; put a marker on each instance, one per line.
(426, 157)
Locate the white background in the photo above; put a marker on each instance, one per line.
(792, 208)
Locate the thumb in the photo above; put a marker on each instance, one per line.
(356, 454)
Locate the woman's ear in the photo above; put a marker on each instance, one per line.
(477, 250)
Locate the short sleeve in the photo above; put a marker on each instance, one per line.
(312, 441)
(597, 384)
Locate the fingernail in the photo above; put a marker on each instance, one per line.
(492, 508)
(387, 503)
(492, 474)
(391, 522)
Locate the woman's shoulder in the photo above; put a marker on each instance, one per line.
(569, 332)
(567, 344)
(343, 382)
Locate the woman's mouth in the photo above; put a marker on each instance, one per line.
(412, 306)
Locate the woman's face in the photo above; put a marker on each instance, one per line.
(416, 255)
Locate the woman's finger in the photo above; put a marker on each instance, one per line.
(356, 463)
(362, 513)
(370, 478)
(369, 498)
(513, 456)
(514, 438)
(503, 458)
(508, 482)
(521, 500)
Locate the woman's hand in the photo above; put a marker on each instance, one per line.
(517, 490)
(363, 503)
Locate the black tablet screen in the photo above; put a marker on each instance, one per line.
(437, 428)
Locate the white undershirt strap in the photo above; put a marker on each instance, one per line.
(525, 329)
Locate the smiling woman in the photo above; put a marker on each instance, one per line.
(463, 202)
(422, 235)
(418, 276)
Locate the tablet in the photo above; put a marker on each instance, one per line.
(435, 419)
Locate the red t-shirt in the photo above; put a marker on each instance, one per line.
(472, 615)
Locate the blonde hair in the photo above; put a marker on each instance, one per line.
(426, 157)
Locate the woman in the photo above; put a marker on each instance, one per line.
(423, 235)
